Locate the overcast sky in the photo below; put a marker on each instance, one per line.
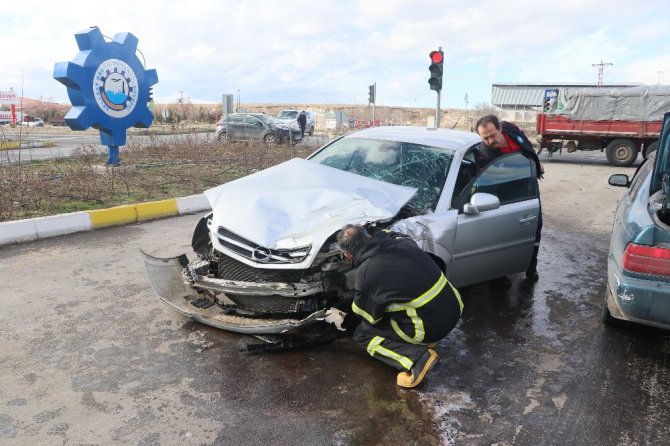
(329, 51)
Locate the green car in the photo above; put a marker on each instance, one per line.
(638, 266)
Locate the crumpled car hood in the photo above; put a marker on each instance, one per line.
(300, 202)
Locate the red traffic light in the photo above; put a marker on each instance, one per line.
(436, 56)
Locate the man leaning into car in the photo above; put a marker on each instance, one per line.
(501, 138)
(403, 300)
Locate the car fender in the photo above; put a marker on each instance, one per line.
(419, 230)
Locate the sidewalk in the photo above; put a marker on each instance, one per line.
(42, 227)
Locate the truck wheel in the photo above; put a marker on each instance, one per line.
(621, 152)
(650, 148)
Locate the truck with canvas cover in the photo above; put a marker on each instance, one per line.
(622, 122)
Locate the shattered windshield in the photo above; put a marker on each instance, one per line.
(406, 164)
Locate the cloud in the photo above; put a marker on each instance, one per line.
(304, 51)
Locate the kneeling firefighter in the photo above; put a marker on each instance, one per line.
(403, 299)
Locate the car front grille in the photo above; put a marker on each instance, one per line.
(257, 253)
(231, 269)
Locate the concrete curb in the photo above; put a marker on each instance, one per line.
(43, 227)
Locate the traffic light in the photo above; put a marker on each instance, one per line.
(436, 61)
(371, 97)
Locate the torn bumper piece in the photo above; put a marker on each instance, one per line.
(172, 287)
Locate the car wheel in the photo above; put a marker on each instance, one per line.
(270, 139)
(621, 152)
(223, 137)
(311, 131)
(607, 317)
(650, 148)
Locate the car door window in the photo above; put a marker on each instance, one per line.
(251, 121)
(511, 178)
(235, 119)
(640, 175)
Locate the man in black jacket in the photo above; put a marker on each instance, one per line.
(501, 138)
(302, 122)
(403, 299)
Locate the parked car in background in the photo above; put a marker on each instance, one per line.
(33, 122)
(267, 258)
(638, 264)
(255, 126)
(290, 117)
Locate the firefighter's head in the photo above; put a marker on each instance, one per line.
(352, 238)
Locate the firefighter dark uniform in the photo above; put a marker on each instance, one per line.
(404, 300)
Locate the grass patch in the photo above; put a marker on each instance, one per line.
(178, 167)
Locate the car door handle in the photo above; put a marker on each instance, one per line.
(528, 219)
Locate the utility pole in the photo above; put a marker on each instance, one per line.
(601, 66)
(467, 114)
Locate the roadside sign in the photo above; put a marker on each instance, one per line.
(8, 97)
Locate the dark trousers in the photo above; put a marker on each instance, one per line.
(383, 343)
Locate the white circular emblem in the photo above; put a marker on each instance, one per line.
(115, 88)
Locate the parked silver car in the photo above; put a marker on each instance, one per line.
(290, 117)
(255, 126)
(267, 257)
(638, 264)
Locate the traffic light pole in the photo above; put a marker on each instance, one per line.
(437, 111)
(374, 104)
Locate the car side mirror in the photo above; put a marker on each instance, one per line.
(481, 202)
(619, 180)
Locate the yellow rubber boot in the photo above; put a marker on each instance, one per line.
(414, 377)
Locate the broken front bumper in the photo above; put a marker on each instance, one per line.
(177, 287)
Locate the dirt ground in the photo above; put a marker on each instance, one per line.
(576, 195)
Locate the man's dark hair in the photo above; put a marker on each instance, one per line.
(352, 238)
(488, 119)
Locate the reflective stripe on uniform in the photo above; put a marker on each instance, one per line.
(411, 306)
(374, 346)
(364, 314)
(458, 297)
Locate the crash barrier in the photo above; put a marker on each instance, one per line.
(43, 227)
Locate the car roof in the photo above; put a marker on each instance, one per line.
(457, 140)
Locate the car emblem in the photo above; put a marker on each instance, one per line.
(261, 255)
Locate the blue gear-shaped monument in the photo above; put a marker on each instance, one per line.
(107, 85)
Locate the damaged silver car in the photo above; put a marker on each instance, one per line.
(266, 258)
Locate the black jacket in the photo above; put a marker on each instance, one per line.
(487, 154)
(392, 269)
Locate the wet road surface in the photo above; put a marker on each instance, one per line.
(91, 356)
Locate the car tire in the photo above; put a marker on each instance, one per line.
(621, 152)
(607, 317)
(223, 137)
(270, 139)
(650, 148)
(311, 131)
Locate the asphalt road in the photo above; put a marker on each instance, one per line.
(91, 356)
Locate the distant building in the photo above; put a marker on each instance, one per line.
(522, 102)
